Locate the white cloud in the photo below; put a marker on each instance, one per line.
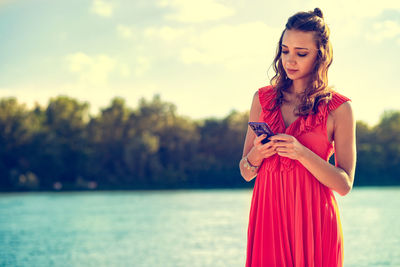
(191, 55)
(124, 70)
(142, 65)
(92, 70)
(344, 9)
(96, 70)
(232, 46)
(102, 8)
(193, 11)
(77, 61)
(124, 31)
(384, 30)
(347, 19)
(166, 33)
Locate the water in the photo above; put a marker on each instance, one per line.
(172, 228)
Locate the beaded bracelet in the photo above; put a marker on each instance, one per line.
(248, 165)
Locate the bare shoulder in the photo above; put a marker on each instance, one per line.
(343, 113)
(255, 96)
(255, 108)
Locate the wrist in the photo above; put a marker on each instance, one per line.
(253, 158)
(249, 166)
(304, 154)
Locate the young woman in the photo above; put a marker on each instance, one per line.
(294, 218)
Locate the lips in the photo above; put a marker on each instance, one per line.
(291, 71)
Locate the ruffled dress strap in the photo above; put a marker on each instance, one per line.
(336, 100)
(271, 116)
(308, 123)
(266, 95)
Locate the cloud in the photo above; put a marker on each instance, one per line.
(124, 31)
(102, 8)
(191, 55)
(166, 33)
(343, 9)
(92, 70)
(232, 46)
(142, 65)
(124, 70)
(96, 70)
(193, 11)
(347, 19)
(387, 29)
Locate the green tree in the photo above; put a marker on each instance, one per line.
(107, 143)
(387, 137)
(220, 149)
(63, 142)
(368, 167)
(176, 137)
(17, 129)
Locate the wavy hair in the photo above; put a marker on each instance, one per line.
(317, 90)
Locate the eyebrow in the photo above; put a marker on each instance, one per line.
(295, 47)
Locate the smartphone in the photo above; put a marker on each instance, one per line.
(262, 128)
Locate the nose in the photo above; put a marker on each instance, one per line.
(290, 60)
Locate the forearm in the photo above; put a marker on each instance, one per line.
(329, 175)
(255, 160)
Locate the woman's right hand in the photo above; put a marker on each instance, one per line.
(263, 150)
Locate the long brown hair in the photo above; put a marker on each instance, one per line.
(318, 90)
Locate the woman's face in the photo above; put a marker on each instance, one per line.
(299, 53)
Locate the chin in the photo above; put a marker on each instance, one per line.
(297, 77)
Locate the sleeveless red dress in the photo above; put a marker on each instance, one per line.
(294, 219)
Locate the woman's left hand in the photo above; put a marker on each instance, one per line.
(288, 146)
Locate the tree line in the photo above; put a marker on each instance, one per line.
(63, 147)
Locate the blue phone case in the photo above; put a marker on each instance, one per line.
(262, 128)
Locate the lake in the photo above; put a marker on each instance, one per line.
(173, 228)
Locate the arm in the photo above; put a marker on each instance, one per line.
(255, 151)
(340, 177)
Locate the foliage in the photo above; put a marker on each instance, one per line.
(378, 151)
(62, 147)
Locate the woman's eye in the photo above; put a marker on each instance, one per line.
(300, 55)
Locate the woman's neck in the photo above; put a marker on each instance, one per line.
(298, 87)
(294, 93)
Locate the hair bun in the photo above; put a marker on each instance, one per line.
(318, 12)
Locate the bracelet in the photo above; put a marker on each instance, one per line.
(249, 166)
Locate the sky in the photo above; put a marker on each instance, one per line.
(207, 57)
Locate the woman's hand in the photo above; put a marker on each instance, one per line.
(287, 146)
(263, 150)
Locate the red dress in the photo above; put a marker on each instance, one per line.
(294, 219)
